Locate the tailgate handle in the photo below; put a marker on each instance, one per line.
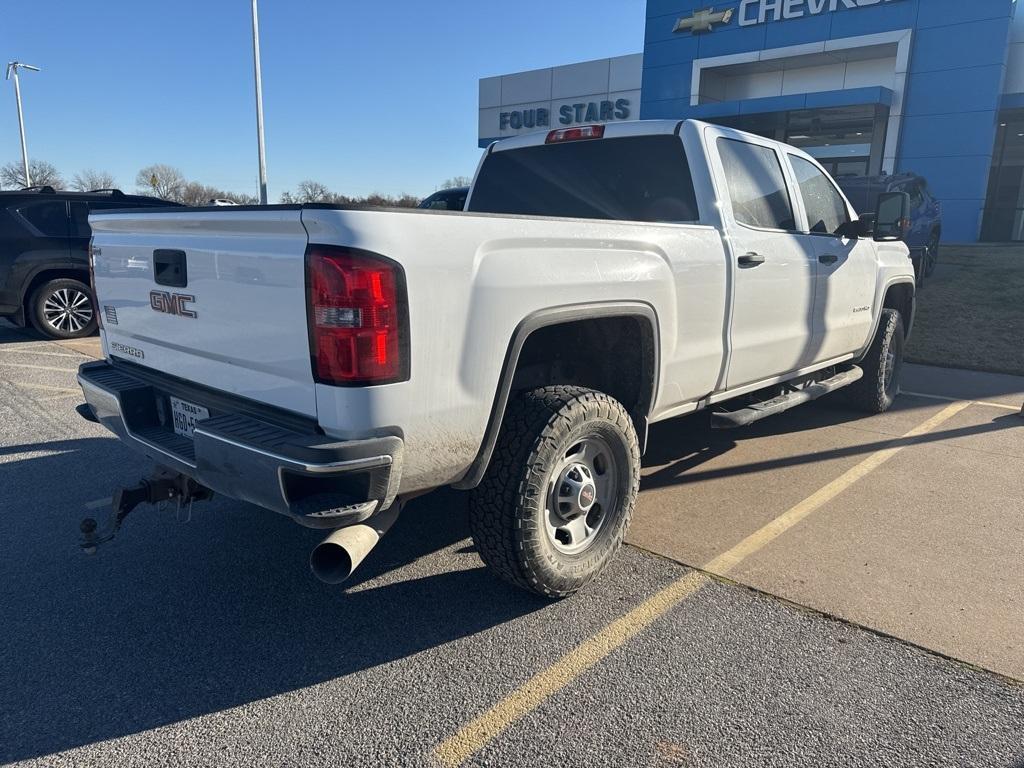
(169, 267)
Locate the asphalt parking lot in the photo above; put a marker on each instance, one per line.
(819, 589)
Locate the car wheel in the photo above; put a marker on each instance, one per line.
(556, 501)
(931, 254)
(876, 391)
(64, 309)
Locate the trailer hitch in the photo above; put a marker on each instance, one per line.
(162, 487)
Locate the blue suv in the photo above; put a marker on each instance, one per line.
(925, 231)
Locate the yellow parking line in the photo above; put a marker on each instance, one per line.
(38, 367)
(728, 560)
(47, 387)
(480, 731)
(31, 351)
(986, 403)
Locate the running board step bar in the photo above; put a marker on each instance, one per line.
(762, 410)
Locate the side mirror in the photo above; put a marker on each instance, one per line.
(857, 228)
(891, 216)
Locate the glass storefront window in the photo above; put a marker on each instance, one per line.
(847, 141)
(1003, 219)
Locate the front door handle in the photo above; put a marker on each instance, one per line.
(750, 260)
(828, 258)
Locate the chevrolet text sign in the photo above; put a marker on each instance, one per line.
(760, 11)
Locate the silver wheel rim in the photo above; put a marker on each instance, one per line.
(67, 310)
(581, 494)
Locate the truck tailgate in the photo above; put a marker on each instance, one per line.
(214, 297)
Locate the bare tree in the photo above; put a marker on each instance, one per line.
(194, 193)
(163, 181)
(456, 181)
(310, 191)
(12, 175)
(89, 179)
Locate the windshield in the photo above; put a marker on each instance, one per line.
(638, 178)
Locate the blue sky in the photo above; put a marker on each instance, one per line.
(363, 96)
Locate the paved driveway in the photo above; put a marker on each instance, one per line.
(209, 642)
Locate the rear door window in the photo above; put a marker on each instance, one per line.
(826, 209)
(757, 186)
(635, 178)
(48, 218)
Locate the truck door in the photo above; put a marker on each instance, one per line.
(846, 266)
(774, 265)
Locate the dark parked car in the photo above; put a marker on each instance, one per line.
(925, 231)
(44, 261)
(453, 199)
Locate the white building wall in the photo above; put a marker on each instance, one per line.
(589, 82)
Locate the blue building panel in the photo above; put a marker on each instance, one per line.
(943, 13)
(959, 46)
(849, 97)
(959, 134)
(949, 178)
(671, 82)
(953, 89)
(929, 93)
(732, 39)
(811, 29)
(885, 17)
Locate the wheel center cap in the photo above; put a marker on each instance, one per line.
(587, 495)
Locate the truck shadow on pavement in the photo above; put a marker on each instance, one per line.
(678, 448)
(171, 621)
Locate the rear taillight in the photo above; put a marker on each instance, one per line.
(358, 317)
(575, 134)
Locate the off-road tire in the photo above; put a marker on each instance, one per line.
(62, 290)
(508, 509)
(877, 390)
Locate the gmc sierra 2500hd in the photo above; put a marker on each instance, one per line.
(328, 363)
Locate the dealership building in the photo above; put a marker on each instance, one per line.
(930, 87)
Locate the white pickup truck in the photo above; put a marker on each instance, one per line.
(329, 363)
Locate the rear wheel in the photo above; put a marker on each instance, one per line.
(63, 309)
(556, 501)
(877, 390)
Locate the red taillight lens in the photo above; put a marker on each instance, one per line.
(357, 317)
(575, 134)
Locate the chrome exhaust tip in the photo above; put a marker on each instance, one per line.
(335, 558)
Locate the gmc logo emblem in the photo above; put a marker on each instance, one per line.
(172, 303)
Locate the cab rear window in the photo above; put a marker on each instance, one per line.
(636, 178)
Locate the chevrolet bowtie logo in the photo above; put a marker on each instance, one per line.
(701, 21)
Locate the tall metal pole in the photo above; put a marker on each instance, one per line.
(21, 127)
(12, 69)
(259, 103)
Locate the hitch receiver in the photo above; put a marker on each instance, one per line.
(163, 486)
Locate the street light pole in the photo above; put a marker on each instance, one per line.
(12, 69)
(259, 103)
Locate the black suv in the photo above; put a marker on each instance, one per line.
(44, 260)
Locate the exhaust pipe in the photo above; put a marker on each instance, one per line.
(335, 558)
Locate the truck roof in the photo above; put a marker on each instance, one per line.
(611, 131)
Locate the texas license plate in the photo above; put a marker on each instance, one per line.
(184, 415)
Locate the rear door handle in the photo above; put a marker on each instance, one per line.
(828, 258)
(750, 260)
